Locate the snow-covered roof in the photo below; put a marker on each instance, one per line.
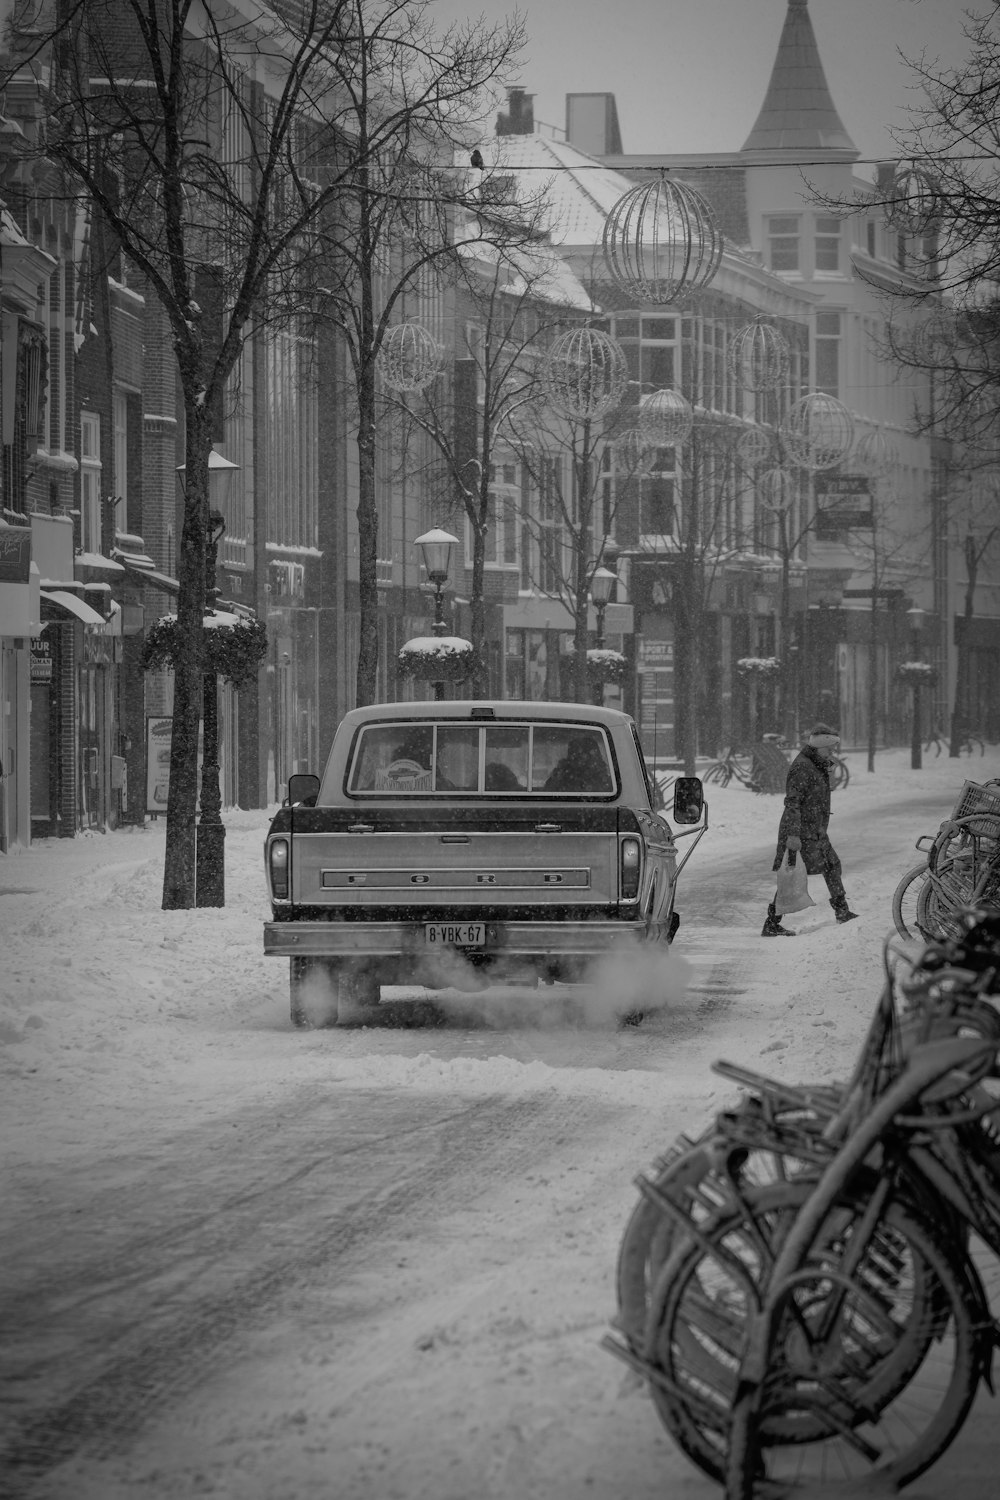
(541, 266)
(580, 189)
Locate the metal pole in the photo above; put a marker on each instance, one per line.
(210, 844)
(916, 748)
(439, 628)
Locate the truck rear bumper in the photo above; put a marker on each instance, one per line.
(530, 940)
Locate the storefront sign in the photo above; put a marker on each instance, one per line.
(843, 502)
(15, 554)
(654, 654)
(159, 732)
(41, 659)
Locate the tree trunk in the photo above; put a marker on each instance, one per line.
(872, 677)
(367, 539)
(960, 712)
(179, 890)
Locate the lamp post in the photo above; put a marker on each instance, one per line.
(916, 619)
(210, 834)
(210, 847)
(436, 547)
(601, 584)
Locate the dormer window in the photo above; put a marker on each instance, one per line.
(827, 244)
(783, 242)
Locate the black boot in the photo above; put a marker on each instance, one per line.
(843, 913)
(772, 925)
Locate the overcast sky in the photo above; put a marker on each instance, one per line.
(691, 75)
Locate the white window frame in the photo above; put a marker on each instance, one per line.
(788, 236)
(120, 414)
(90, 481)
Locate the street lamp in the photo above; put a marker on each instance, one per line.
(437, 546)
(915, 615)
(210, 834)
(601, 584)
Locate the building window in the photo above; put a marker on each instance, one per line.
(828, 353)
(783, 243)
(90, 482)
(504, 521)
(827, 244)
(121, 459)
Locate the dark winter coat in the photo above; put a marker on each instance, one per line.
(807, 812)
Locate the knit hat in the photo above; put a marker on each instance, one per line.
(821, 736)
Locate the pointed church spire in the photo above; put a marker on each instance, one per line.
(798, 113)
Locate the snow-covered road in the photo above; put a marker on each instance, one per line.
(248, 1262)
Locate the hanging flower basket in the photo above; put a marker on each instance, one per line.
(437, 658)
(915, 673)
(235, 646)
(758, 668)
(604, 665)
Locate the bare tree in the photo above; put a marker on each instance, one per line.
(978, 526)
(219, 150)
(193, 169)
(472, 419)
(404, 100)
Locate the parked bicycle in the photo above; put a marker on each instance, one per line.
(745, 766)
(960, 868)
(939, 741)
(808, 1308)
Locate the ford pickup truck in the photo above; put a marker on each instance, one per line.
(521, 839)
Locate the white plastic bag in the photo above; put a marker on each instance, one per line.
(793, 886)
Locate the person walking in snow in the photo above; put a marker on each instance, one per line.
(804, 822)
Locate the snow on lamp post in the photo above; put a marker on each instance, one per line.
(437, 547)
(210, 834)
(601, 584)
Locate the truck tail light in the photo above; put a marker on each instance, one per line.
(277, 856)
(630, 862)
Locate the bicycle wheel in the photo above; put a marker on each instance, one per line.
(905, 900)
(840, 775)
(881, 1395)
(700, 1177)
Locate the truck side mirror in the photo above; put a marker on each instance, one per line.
(689, 799)
(303, 789)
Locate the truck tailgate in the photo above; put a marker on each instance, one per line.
(546, 863)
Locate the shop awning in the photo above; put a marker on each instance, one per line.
(59, 604)
(148, 576)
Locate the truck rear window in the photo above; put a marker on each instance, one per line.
(514, 760)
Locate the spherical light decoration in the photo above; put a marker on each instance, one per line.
(754, 446)
(759, 357)
(818, 432)
(666, 417)
(935, 340)
(874, 455)
(661, 242)
(777, 489)
(914, 200)
(585, 373)
(409, 357)
(632, 453)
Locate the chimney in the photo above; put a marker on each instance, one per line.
(520, 116)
